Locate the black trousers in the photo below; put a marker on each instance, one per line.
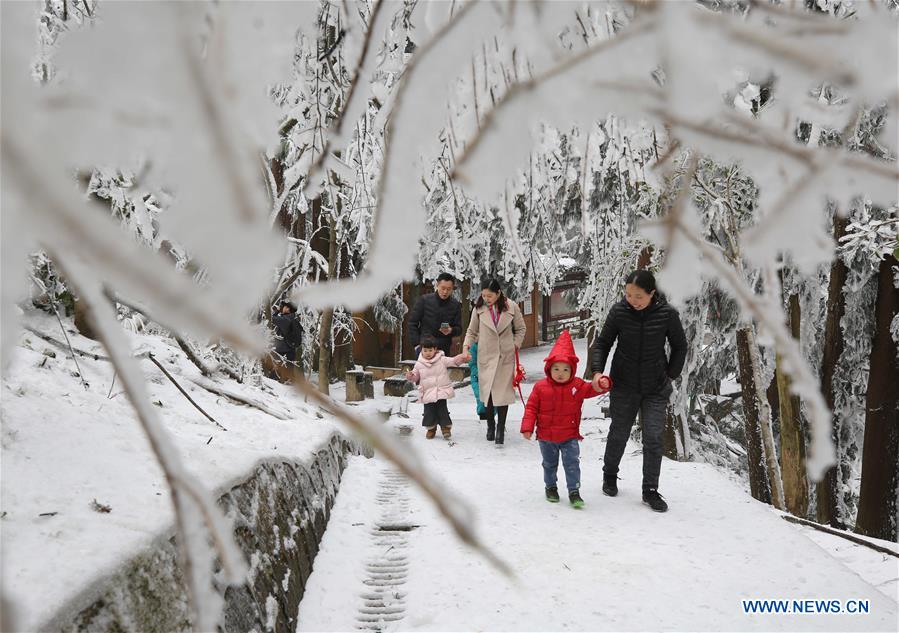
(623, 408)
(436, 413)
(502, 410)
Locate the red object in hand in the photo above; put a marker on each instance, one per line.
(518, 378)
(602, 383)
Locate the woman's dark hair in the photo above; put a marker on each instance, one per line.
(428, 341)
(493, 286)
(643, 279)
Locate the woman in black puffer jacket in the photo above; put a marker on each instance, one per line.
(641, 373)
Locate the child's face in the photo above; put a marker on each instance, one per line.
(428, 352)
(560, 372)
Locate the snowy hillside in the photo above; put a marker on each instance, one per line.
(65, 447)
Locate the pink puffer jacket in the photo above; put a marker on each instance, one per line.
(433, 378)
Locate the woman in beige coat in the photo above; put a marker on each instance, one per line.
(498, 328)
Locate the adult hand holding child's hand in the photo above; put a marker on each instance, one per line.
(602, 383)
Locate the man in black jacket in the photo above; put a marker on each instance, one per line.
(437, 314)
(288, 331)
(641, 374)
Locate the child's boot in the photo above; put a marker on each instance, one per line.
(491, 430)
(575, 498)
(552, 494)
(432, 432)
(447, 432)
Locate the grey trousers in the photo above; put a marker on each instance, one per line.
(653, 409)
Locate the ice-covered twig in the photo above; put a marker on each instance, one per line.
(218, 129)
(453, 509)
(192, 356)
(381, 272)
(75, 351)
(179, 338)
(64, 333)
(804, 384)
(69, 343)
(641, 26)
(217, 389)
(171, 378)
(777, 48)
(353, 104)
(64, 346)
(190, 500)
(841, 533)
(99, 244)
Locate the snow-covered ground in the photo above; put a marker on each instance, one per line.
(64, 447)
(614, 565)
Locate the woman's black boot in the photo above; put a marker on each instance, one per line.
(500, 432)
(491, 430)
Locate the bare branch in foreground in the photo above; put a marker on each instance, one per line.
(454, 510)
(189, 499)
(641, 26)
(804, 384)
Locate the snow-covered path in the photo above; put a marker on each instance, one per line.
(614, 565)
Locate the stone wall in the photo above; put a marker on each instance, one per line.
(280, 513)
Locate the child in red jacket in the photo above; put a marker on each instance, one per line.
(554, 407)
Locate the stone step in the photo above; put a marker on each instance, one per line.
(382, 373)
(359, 385)
(460, 373)
(395, 386)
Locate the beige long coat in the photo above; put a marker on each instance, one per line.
(496, 351)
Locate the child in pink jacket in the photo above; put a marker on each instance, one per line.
(434, 385)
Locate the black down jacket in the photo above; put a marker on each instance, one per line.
(640, 363)
(427, 315)
(289, 332)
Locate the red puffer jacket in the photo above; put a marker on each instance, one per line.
(555, 408)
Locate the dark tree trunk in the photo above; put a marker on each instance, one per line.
(792, 435)
(342, 356)
(827, 489)
(880, 459)
(412, 292)
(758, 474)
(325, 334)
(673, 437)
(83, 322)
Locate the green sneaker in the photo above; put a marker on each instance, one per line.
(552, 494)
(575, 498)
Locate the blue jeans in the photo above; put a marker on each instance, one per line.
(571, 462)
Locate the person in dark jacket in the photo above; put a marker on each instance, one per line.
(437, 314)
(641, 374)
(288, 331)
